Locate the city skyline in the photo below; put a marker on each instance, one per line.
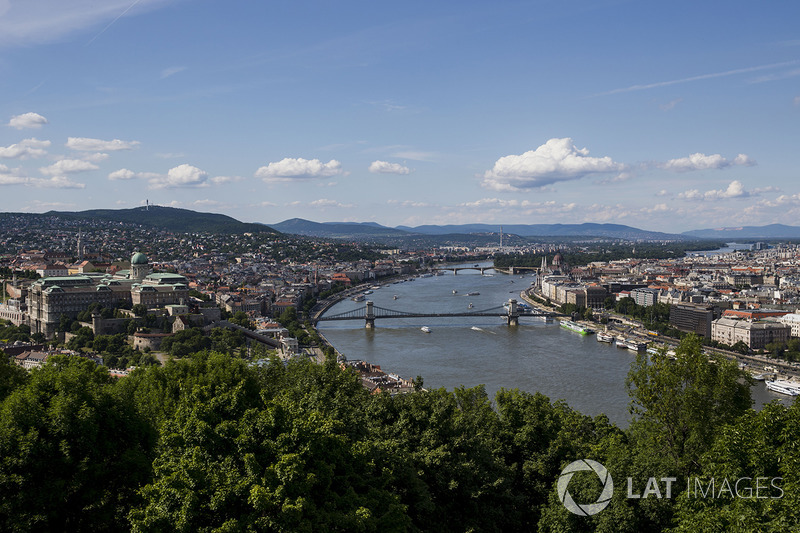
(510, 113)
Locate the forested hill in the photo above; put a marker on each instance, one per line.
(210, 443)
(168, 218)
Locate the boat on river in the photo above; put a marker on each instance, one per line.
(602, 336)
(782, 386)
(577, 328)
(426, 329)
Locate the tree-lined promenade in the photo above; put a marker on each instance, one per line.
(208, 443)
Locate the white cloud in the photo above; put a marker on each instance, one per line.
(46, 21)
(26, 149)
(555, 161)
(712, 75)
(56, 182)
(85, 144)
(290, 169)
(220, 180)
(95, 158)
(27, 121)
(410, 203)
(383, 167)
(671, 104)
(122, 174)
(68, 166)
(180, 176)
(735, 189)
(698, 161)
(12, 179)
(324, 202)
(167, 72)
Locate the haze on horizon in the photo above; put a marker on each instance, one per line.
(662, 117)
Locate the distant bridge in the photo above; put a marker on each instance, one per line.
(510, 270)
(370, 312)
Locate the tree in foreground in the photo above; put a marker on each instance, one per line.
(72, 452)
(679, 404)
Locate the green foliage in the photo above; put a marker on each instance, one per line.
(186, 342)
(300, 446)
(72, 452)
(11, 376)
(678, 405)
(10, 333)
(84, 338)
(240, 318)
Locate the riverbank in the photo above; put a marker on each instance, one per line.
(785, 369)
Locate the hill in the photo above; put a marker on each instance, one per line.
(771, 231)
(338, 230)
(168, 218)
(371, 230)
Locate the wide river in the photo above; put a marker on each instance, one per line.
(534, 356)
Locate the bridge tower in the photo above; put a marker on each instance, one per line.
(369, 316)
(513, 313)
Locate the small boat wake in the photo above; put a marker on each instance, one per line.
(476, 328)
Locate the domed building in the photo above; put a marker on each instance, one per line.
(140, 267)
(51, 297)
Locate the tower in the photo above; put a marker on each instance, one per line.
(140, 267)
(501, 236)
(80, 245)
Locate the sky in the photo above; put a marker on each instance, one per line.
(663, 116)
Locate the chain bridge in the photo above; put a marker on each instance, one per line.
(371, 312)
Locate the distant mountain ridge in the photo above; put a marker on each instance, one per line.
(168, 218)
(770, 231)
(371, 229)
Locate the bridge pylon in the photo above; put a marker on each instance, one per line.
(369, 315)
(513, 313)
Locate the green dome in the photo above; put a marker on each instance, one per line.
(139, 259)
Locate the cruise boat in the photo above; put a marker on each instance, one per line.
(358, 298)
(632, 345)
(574, 326)
(605, 337)
(782, 386)
(426, 329)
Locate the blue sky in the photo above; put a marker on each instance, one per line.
(664, 116)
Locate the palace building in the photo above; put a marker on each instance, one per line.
(49, 298)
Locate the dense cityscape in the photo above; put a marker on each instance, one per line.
(142, 306)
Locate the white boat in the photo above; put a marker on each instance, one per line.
(426, 329)
(476, 328)
(455, 291)
(605, 337)
(577, 328)
(470, 306)
(358, 298)
(394, 297)
(782, 386)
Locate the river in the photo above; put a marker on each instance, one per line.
(534, 356)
